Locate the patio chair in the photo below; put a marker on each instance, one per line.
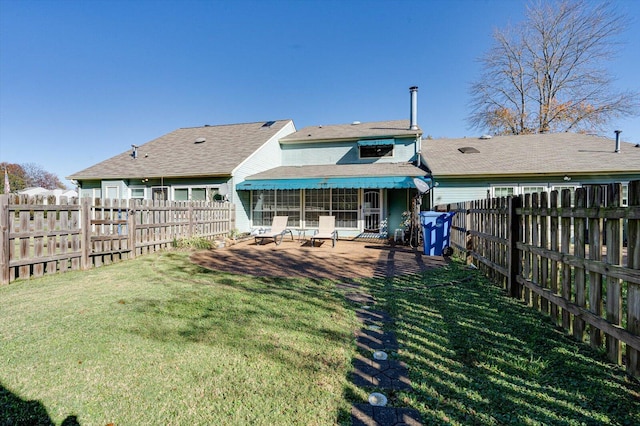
(326, 231)
(277, 231)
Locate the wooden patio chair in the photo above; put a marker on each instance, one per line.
(277, 231)
(326, 231)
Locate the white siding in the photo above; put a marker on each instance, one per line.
(264, 158)
(444, 195)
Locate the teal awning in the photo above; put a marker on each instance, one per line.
(324, 183)
(375, 142)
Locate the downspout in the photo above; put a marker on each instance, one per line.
(418, 150)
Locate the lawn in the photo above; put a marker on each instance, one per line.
(479, 357)
(158, 340)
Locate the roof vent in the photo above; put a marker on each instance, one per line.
(200, 140)
(268, 124)
(468, 150)
(485, 137)
(355, 123)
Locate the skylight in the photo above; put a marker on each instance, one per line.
(468, 150)
(268, 124)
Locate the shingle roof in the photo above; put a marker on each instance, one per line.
(352, 131)
(340, 170)
(530, 154)
(177, 155)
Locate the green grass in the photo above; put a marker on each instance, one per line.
(158, 340)
(479, 357)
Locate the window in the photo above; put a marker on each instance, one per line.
(198, 194)
(503, 191)
(625, 195)
(137, 193)
(317, 202)
(344, 206)
(533, 189)
(181, 194)
(193, 194)
(341, 203)
(376, 151)
(160, 193)
(288, 204)
(572, 189)
(263, 207)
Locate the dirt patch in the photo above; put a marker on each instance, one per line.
(348, 259)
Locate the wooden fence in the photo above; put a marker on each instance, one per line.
(577, 261)
(40, 236)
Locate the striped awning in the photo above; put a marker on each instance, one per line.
(381, 182)
(375, 142)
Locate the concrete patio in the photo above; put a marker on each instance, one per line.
(297, 258)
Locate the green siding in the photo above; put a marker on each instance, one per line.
(304, 154)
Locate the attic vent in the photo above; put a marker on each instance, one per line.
(355, 123)
(485, 137)
(468, 150)
(268, 124)
(200, 140)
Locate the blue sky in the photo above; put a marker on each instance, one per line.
(80, 81)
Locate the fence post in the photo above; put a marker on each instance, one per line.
(85, 233)
(515, 231)
(131, 226)
(633, 291)
(232, 217)
(5, 228)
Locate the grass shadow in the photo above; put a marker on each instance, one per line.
(16, 411)
(477, 356)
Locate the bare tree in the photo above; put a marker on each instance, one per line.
(549, 73)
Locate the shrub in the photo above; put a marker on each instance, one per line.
(192, 243)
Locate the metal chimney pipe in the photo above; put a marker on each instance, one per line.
(617, 132)
(414, 108)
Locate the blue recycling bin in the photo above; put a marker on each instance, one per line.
(436, 232)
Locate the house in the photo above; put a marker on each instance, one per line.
(362, 173)
(197, 163)
(46, 193)
(475, 168)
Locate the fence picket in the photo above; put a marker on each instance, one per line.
(595, 201)
(526, 271)
(565, 249)
(579, 250)
(613, 257)
(633, 289)
(535, 241)
(554, 246)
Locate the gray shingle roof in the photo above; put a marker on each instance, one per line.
(340, 170)
(530, 154)
(334, 132)
(177, 155)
